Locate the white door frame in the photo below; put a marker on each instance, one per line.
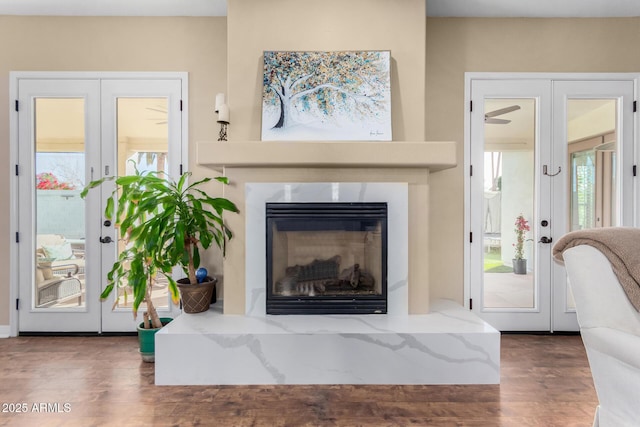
(14, 78)
(469, 76)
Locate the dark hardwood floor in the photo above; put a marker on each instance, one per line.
(98, 381)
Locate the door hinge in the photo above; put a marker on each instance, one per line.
(471, 106)
(181, 172)
(17, 303)
(181, 105)
(635, 170)
(635, 106)
(17, 170)
(17, 237)
(17, 105)
(470, 170)
(470, 303)
(471, 237)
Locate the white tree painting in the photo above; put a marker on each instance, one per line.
(319, 96)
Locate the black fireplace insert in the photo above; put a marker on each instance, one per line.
(326, 258)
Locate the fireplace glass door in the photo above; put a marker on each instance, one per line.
(325, 258)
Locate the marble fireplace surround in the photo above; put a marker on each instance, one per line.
(394, 194)
(419, 342)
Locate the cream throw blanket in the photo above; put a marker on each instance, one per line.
(621, 245)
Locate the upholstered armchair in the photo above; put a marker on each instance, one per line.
(610, 328)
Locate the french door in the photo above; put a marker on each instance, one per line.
(546, 156)
(72, 131)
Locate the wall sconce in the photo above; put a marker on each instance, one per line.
(223, 116)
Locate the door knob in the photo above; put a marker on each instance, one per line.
(106, 239)
(545, 239)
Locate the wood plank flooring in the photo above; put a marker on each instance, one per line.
(100, 381)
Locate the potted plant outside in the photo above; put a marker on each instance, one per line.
(163, 224)
(519, 261)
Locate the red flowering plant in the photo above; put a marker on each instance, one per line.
(522, 226)
(48, 181)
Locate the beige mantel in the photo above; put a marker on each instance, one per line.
(328, 154)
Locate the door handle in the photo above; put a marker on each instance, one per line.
(106, 239)
(545, 239)
(545, 171)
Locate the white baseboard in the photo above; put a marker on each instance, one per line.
(4, 331)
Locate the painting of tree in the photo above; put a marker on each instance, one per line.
(326, 96)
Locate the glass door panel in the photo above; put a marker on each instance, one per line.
(143, 143)
(59, 147)
(60, 211)
(509, 280)
(592, 151)
(142, 129)
(594, 133)
(509, 160)
(592, 148)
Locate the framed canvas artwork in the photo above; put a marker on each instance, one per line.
(326, 96)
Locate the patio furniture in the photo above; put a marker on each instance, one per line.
(61, 252)
(55, 285)
(59, 270)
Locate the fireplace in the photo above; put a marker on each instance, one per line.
(326, 258)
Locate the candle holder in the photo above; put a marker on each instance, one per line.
(222, 136)
(223, 119)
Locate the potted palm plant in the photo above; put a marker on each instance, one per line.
(163, 223)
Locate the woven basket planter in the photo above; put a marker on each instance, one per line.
(197, 298)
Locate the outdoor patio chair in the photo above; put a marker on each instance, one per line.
(57, 284)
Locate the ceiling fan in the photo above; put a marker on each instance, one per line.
(490, 116)
(159, 109)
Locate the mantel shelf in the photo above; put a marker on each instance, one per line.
(434, 156)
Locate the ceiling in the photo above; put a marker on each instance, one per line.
(435, 8)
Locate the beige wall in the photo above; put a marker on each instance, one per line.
(328, 25)
(195, 45)
(456, 46)
(198, 45)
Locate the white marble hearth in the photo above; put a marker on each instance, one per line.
(450, 345)
(419, 341)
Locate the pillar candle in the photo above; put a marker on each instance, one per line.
(223, 114)
(219, 101)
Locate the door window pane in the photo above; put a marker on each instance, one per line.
(592, 157)
(592, 150)
(509, 252)
(60, 212)
(143, 142)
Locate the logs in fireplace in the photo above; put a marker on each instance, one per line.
(326, 258)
